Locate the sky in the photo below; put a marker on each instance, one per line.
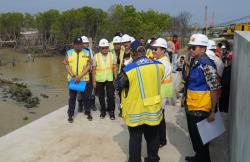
(223, 10)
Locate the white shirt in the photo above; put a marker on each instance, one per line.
(167, 66)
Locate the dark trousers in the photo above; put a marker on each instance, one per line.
(92, 95)
(170, 56)
(107, 87)
(163, 131)
(152, 140)
(84, 96)
(202, 151)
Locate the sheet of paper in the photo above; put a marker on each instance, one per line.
(209, 131)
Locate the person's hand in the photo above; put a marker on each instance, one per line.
(90, 61)
(94, 84)
(77, 79)
(211, 117)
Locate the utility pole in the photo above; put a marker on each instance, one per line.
(213, 20)
(206, 20)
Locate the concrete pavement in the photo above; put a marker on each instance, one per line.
(53, 139)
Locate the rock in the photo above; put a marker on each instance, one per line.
(25, 118)
(32, 102)
(14, 79)
(19, 92)
(44, 95)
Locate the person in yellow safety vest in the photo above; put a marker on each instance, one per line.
(125, 58)
(78, 66)
(118, 51)
(159, 52)
(141, 102)
(201, 97)
(104, 71)
(87, 50)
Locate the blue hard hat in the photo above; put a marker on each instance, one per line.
(135, 45)
(78, 40)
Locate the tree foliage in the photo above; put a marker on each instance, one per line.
(62, 27)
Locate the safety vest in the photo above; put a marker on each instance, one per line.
(120, 58)
(198, 92)
(104, 68)
(166, 84)
(142, 104)
(78, 62)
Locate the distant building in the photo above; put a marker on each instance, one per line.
(29, 35)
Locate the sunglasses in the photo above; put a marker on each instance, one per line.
(192, 48)
(154, 49)
(105, 47)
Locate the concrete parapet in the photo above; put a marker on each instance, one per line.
(240, 99)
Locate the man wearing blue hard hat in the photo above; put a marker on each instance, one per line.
(78, 66)
(141, 102)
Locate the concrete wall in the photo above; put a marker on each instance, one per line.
(240, 100)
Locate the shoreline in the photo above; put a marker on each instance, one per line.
(45, 78)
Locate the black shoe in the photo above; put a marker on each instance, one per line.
(85, 113)
(120, 114)
(70, 119)
(191, 159)
(102, 116)
(112, 116)
(163, 144)
(89, 117)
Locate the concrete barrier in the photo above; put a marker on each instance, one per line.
(240, 100)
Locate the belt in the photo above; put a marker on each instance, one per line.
(198, 113)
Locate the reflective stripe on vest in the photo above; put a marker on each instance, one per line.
(151, 100)
(167, 80)
(134, 118)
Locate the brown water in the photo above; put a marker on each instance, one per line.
(46, 75)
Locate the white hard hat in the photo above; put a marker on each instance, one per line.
(211, 44)
(117, 39)
(103, 43)
(126, 38)
(85, 39)
(211, 54)
(223, 46)
(160, 42)
(198, 40)
(132, 39)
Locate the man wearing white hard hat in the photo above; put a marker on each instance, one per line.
(217, 60)
(159, 53)
(104, 72)
(126, 57)
(87, 50)
(201, 95)
(118, 51)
